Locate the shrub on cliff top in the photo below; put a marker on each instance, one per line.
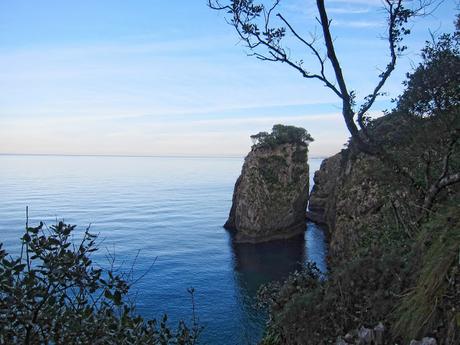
(54, 294)
(281, 134)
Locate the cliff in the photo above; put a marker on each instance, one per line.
(393, 225)
(389, 263)
(321, 208)
(271, 194)
(351, 198)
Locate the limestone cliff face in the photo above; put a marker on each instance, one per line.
(321, 208)
(271, 194)
(347, 199)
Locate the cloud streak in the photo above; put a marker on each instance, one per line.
(358, 24)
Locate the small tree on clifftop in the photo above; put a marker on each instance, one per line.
(282, 134)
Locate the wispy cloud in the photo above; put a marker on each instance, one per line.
(374, 3)
(131, 45)
(348, 10)
(195, 136)
(357, 23)
(94, 81)
(308, 8)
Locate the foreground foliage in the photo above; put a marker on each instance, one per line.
(54, 294)
(412, 287)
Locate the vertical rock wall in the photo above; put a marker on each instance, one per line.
(348, 195)
(271, 195)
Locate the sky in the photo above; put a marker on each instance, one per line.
(154, 77)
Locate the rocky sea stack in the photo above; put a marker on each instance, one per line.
(271, 194)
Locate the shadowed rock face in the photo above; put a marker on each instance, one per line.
(321, 208)
(344, 201)
(271, 194)
(348, 195)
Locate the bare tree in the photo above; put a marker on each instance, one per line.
(253, 24)
(265, 31)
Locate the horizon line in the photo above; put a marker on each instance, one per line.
(136, 156)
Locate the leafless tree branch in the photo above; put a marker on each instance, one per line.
(266, 44)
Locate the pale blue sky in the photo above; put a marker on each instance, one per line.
(149, 77)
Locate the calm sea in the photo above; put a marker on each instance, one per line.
(170, 210)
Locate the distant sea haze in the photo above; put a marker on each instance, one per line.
(170, 210)
(179, 155)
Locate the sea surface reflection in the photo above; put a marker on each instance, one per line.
(170, 210)
(258, 264)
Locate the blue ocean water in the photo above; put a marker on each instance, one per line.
(166, 211)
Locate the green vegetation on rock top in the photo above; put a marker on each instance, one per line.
(280, 135)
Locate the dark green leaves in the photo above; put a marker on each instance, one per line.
(282, 134)
(54, 293)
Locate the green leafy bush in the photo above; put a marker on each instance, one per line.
(54, 294)
(281, 134)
